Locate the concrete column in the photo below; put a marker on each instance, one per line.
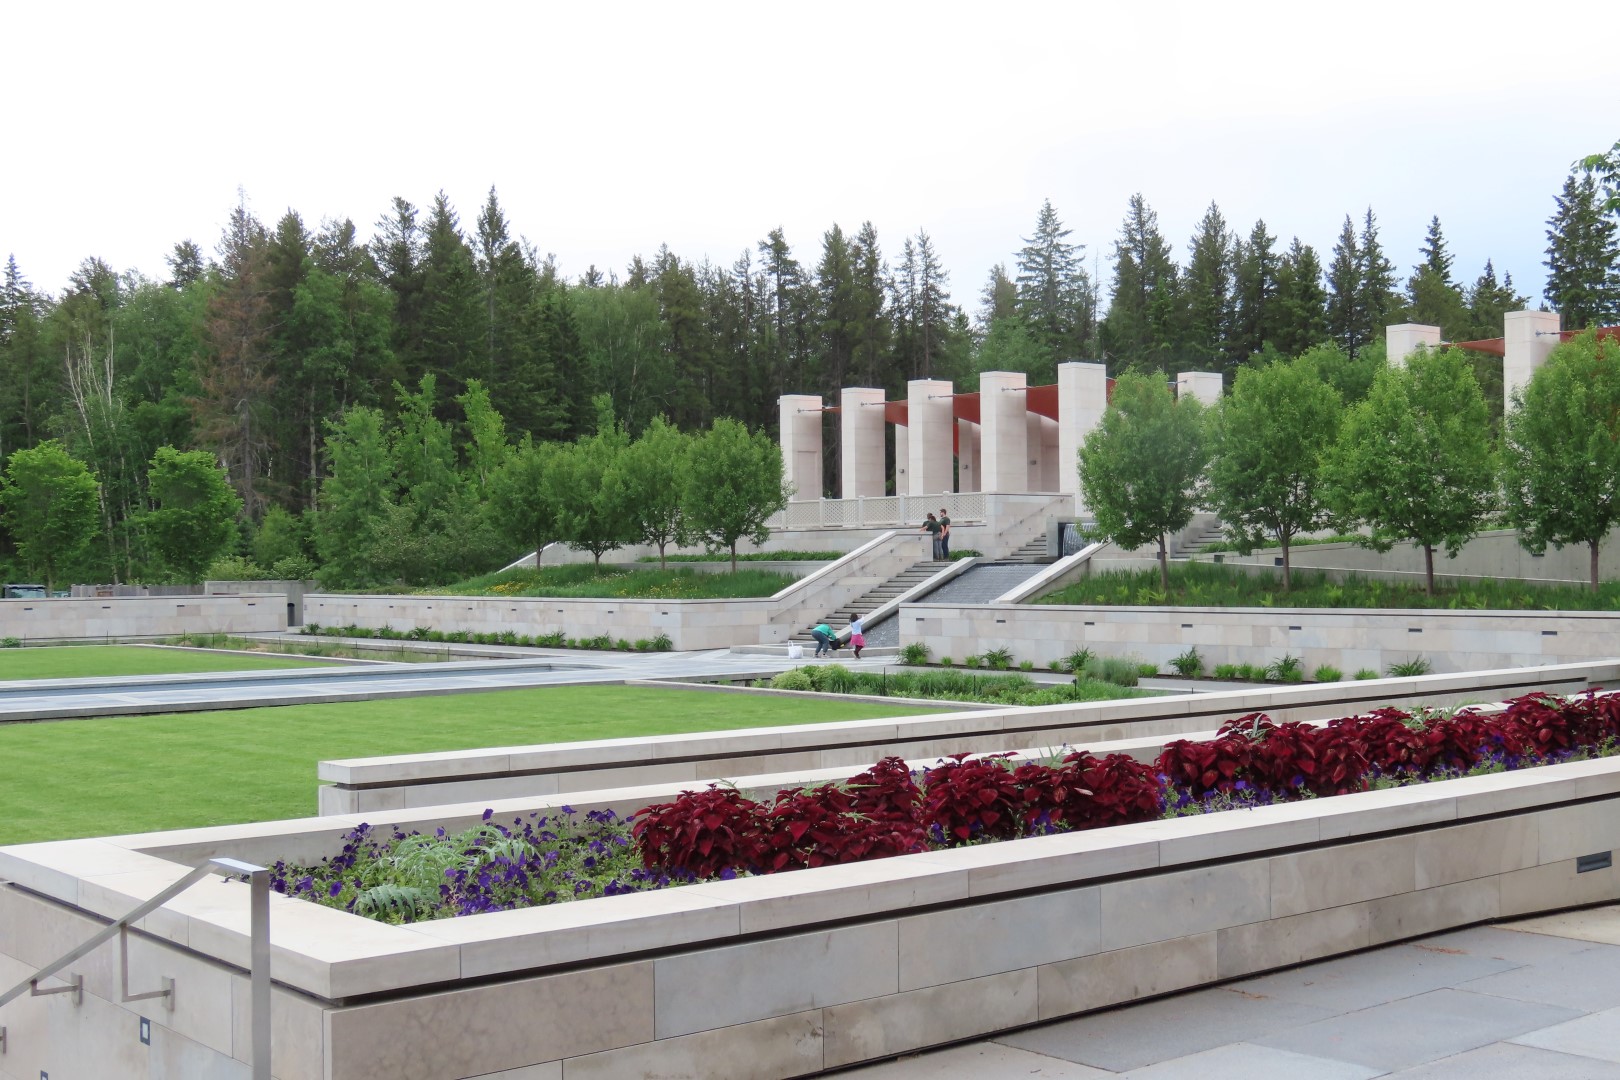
(1403, 339)
(1527, 338)
(1034, 461)
(801, 444)
(1203, 385)
(929, 419)
(1049, 477)
(902, 460)
(862, 452)
(1005, 435)
(969, 456)
(1082, 397)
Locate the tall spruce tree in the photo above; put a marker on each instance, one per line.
(1255, 313)
(1208, 289)
(1055, 297)
(1344, 317)
(1144, 320)
(1378, 301)
(1433, 298)
(454, 346)
(1301, 317)
(1583, 257)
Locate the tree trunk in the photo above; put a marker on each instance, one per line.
(1288, 567)
(1164, 566)
(1428, 567)
(663, 564)
(1594, 552)
(734, 556)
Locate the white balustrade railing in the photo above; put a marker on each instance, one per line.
(880, 511)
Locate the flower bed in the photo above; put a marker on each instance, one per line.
(889, 810)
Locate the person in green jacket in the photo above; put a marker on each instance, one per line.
(824, 638)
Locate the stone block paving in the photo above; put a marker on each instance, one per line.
(1534, 998)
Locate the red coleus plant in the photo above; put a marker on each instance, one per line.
(821, 826)
(1218, 764)
(1391, 740)
(701, 833)
(1121, 790)
(968, 798)
(1322, 760)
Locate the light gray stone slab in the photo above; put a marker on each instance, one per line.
(882, 1027)
(1372, 978)
(1595, 1036)
(1411, 1031)
(1509, 1061)
(763, 1050)
(1189, 902)
(1247, 1061)
(1172, 1027)
(977, 1061)
(1588, 979)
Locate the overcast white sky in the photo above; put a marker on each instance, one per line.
(609, 129)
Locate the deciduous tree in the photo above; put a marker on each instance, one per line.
(1561, 459)
(733, 484)
(50, 500)
(194, 520)
(1142, 467)
(1270, 436)
(1413, 460)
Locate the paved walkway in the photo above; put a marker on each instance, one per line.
(1528, 999)
(135, 694)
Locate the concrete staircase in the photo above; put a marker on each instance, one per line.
(1032, 552)
(902, 582)
(1193, 543)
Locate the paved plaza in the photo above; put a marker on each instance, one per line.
(1536, 998)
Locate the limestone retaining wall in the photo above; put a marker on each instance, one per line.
(690, 624)
(1349, 639)
(782, 975)
(100, 618)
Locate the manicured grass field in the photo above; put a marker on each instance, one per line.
(91, 661)
(102, 776)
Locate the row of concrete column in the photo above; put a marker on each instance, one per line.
(1527, 338)
(1012, 448)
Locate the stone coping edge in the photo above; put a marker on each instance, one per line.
(334, 955)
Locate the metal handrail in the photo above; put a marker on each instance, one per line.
(259, 955)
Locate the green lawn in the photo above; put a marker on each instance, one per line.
(112, 775)
(91, 661)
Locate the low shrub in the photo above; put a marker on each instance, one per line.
(10, 643)
(1189, 665)
(998, 659)
(1363, 674)
(914, 654)
(1226, 671)
(1408, 668)
(971, 661)
(1327, 673)
(1026, 665)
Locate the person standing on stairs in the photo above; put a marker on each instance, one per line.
(857, 636)
(931, 527)
(944, 534)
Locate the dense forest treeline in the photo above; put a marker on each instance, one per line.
(257, 353)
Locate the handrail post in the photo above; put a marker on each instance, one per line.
(259, 927)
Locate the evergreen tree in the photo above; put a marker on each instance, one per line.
(1301, 318)
(28, 378)
(786, 358)
(454, 346)
(236, 377)
(871, 335)
(1377, 300)
(686, 337)
(933, 311)
(1583, 257)
(1344, 316)
(998, 299)
(1144, 319)
(1055, 298)
(838, 311)
(397, 251)
(185, 265)
(1255, 318)
(1208, 289)
(1432, 297)
(1490, 300)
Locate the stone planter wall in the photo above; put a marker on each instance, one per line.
(394, 782)
(789, 974)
